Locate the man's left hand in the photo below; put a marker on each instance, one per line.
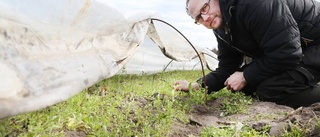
(236, 81)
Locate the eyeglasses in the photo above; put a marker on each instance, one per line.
(203, 11)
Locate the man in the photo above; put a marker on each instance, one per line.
(282, 37)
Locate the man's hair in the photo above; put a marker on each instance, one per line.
(187, 8)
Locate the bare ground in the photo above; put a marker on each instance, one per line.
(258, 115)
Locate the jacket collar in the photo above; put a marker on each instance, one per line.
(226, 7)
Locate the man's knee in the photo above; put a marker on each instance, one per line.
(303, 98)
(280, 87)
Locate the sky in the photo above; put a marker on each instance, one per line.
(173, 12)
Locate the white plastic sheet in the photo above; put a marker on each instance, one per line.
(51, 50)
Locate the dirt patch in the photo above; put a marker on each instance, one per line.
(258, 115)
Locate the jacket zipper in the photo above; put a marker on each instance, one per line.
(306, 40)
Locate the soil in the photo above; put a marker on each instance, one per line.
(259, 114)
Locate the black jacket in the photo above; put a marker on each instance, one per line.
(270, 31)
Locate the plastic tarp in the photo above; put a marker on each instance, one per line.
(51, 50)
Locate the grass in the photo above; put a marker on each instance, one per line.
(232, 103)
(233, 131)
(126, 105)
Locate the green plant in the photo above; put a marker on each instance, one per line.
(233, 131)
(123, 105)
(232, 102)
(294, 131)
(131, 105)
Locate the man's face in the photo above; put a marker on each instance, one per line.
(206, 12)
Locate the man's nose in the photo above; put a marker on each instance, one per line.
(205, 18)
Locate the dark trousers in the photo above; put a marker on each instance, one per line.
(294, 88)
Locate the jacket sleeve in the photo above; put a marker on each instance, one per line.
(276, 32)
(230, 60)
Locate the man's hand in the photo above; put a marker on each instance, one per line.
(183, 85)
(235, 82)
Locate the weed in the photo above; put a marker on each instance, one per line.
(232, 102)
(123, 105)
(130, 105)
(295, 131)
(233, 131)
